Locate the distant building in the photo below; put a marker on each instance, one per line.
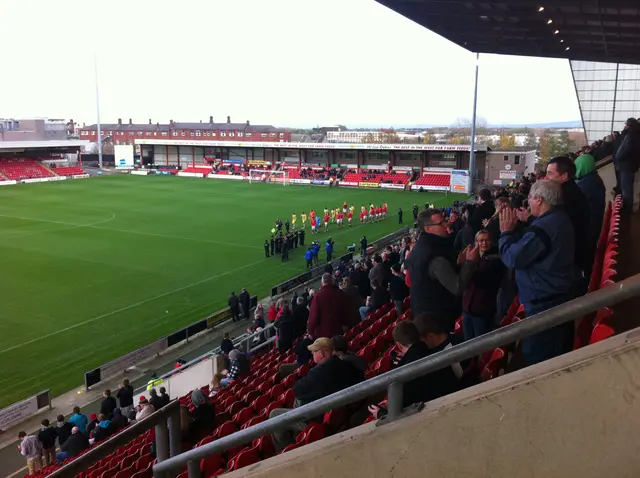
(40, 129)
(506, 165)
(122, 133)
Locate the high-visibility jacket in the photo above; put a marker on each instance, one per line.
(154, 382)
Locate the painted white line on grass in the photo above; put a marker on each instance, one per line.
(32, 233)
(131, 306)
(127, 231)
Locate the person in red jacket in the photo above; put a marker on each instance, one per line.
(329, 309)
(326, 222)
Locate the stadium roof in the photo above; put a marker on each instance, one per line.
(18, 146)
(588, 30)
(289, 145)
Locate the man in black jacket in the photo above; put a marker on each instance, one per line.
(409, 349)
(245, 301)
(77, 443)
(436, 286)
(627, 161)
(47, 436)
(484, 210)
(234, 305)
(154, 399)
(108, 404)
(330, 375)
(562, 170)
(125, 397)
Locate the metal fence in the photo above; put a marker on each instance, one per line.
(393, 381)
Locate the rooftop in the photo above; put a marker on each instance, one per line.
(588, 30)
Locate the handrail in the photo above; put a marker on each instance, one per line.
(394, 379)
(243, 339)
(167, 441)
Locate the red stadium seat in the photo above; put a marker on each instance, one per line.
(248, 456)
(243, 416)
(265, 446)
(260, 403)
(211, 464)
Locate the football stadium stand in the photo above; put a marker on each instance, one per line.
(22, 168)
(69, 171)
(249, 400)
(434, 179)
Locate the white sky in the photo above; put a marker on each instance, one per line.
(281, 62)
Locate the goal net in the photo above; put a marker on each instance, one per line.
(268, 176)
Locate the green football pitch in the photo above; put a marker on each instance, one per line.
(92, 269)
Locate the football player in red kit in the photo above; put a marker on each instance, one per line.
(350, 217)
(326, 222)
(339, 216)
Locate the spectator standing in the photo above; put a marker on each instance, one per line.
(108, 405)
(79, 420)
(354, 301)
(166, 399)
(436, 286)
(234, 305)
(326, 317)
(226, 345)
(245, 303)
(363, 247)
(400, 215)
(154, 399)
(378, 272)
(562, 170)
(285, 327)
(63, 429)
(300, 317)
(455, 223)
(76, 444)
(31, 449)
(328, 246)
(47, 436)
(398, 288)
(479, 298)
(125, 397)
(484, 210)
(592, 186)
(545, 269)
(627, 160)
(330, 375)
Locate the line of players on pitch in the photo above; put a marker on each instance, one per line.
(337, 216)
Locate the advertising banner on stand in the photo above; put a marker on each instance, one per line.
(368, 185)
(460, 181)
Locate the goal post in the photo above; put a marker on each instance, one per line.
(268, 176)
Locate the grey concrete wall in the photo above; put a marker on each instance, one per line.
(574, 416)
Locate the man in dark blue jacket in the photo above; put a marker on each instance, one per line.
(627, 161)
(543, 259)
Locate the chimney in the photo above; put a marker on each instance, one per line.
(130, 122)
(172, 124)
(228, 119)
(150, 122)
(247, 122)
(84, 125)
(119, 121)
(200, 121)
(210, 119)
(158, 124)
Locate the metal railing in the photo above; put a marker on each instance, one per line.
(168, 440)
(393, 381)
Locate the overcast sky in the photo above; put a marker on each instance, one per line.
(281, 62)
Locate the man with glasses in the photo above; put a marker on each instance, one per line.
(545, 269)
(436, 286)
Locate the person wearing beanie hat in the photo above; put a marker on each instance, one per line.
(592, 186)
(239, 367)
(144, 409)
(93, 421)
